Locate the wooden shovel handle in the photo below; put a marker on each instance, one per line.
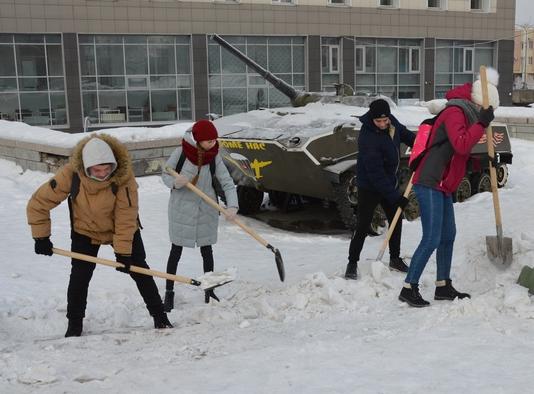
(394, 221)
(133, 268)
(491, 151)
(215, 205)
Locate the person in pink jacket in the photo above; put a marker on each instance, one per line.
(456, 131)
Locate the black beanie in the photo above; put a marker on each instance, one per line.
(379, 109)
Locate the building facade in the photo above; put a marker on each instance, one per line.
(523, 58)
(78, 64)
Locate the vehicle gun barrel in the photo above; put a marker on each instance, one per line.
(279, 84)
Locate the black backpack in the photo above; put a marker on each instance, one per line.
(219, 192)
(75, 189)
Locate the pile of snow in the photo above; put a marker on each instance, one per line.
(316, 332)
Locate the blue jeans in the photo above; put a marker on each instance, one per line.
(439, 231)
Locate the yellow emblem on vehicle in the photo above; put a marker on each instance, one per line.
(257, 166)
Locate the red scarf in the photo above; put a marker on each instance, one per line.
(199, 156)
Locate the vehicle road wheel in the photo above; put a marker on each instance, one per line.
(481, 183)
(346, 198)
(277, 198)
(502, 175)
(463, 192)
(249, 199)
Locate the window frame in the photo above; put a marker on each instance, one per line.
(441, 7)
(331, 49)
(362, 48)
(345, 3)
(484, 6)
(411, 51)
(394, 4)
(471, 66)
(284, 3)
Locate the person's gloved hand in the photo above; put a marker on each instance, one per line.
(43, 246)
(402, 202)
(125, 259)
(485, 116)
(180, 181)
(231, 213)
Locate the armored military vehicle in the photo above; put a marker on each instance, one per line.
(310, 151)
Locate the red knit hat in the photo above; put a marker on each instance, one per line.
(204, 130)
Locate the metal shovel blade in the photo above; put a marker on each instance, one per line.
(211, 280)
(279, 265)
(279, 262)
(499, 250)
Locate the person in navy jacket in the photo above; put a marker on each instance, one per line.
(377, 179)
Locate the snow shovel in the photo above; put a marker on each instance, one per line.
(211, 280)
(251, 232)
(499, 248)
(394, 222)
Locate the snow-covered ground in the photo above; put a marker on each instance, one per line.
(315, 333)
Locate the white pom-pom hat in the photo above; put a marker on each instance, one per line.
(493, 93)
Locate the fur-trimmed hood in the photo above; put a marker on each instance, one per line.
(124, 164)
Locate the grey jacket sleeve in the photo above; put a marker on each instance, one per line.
(168, 179)
(226, 181)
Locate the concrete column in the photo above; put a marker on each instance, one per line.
(200, 76)
(505, 66)
(429, 77)
(347, 45)
(314, 63)
(72, 80)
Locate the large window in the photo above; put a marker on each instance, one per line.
(32, 83)
(135, 78)
(234, 87)
(457, 62)
(330, 63)
(389, 67)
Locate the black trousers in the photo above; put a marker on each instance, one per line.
(174, 258)
(367, 202)
(82, 272)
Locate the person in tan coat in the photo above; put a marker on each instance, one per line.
(103, 203)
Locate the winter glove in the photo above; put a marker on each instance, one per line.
(123, 259)
(485, 116)
(402, 202)
(180, 181)
(231, 213)
(44, 246)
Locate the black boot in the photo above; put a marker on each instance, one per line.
(411, 296)
(445, 291)
(397, 264)
(161, 321)
(352, 271)
(75, 327)
(210, 294)
(168, 304)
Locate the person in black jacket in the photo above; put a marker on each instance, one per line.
(377, 179)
